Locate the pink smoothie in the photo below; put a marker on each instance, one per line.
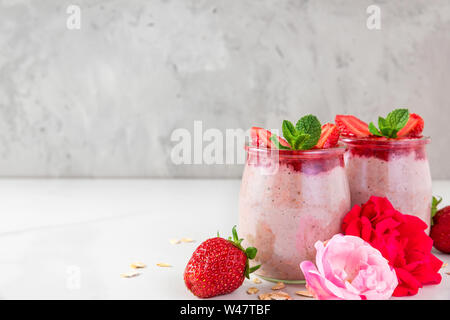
(396, 169)
(283, 212)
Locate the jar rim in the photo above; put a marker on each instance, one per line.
(299, 154)
(386, 142)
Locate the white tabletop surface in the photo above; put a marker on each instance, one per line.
(71, 239)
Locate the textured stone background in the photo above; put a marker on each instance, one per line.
(104, 100)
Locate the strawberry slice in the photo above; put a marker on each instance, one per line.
(329, 137)
(413, 127)
(260, 137)
(284, 142)
(351, 126)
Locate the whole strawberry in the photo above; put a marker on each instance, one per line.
(440, 231)
(440, 227)
(218, 266)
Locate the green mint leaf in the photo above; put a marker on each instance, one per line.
(390, 126)
(398, 118)
(299, 142)
(251, 252)
(373, 130)
(389, 132)
(276, 142)
(289, 131)
(382, 123)
(386, 129)
(310, 126)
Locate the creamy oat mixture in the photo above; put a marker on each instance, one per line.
(404, 179)
(285, 213)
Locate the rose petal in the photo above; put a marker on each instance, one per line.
(315, 281)
(407, 284)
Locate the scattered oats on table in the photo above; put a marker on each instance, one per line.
(252, 290)
(280, 295)
(187, 240)
(257, 280)
(278, 286)
(304, 293)
(174, 241)
(163, 265)
(138, 265)
(129, 274)
(264, 296)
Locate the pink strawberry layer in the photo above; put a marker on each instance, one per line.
(283, 213)
(403, 178)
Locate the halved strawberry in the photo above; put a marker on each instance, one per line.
(329, 137)
(261, 138)
(413, 127)
(351, 126)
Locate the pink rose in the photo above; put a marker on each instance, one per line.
(349, 268)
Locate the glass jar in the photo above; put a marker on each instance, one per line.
(394, 168)
(288, 201)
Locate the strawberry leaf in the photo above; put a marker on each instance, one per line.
(434, 204)
(251, 252)
(253, 269)
(235, 235)
(249, 270)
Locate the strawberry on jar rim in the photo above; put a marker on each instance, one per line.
(351, 126)
(413, 127)
(261, 137)
(329, 137)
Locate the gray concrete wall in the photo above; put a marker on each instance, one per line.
(104, 100)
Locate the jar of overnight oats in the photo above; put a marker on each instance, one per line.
(288, 201)
(394, 168)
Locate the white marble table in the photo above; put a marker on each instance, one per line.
(71, 239)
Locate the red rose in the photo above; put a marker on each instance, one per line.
(400, 238)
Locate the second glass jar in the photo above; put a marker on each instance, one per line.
(396, 169)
